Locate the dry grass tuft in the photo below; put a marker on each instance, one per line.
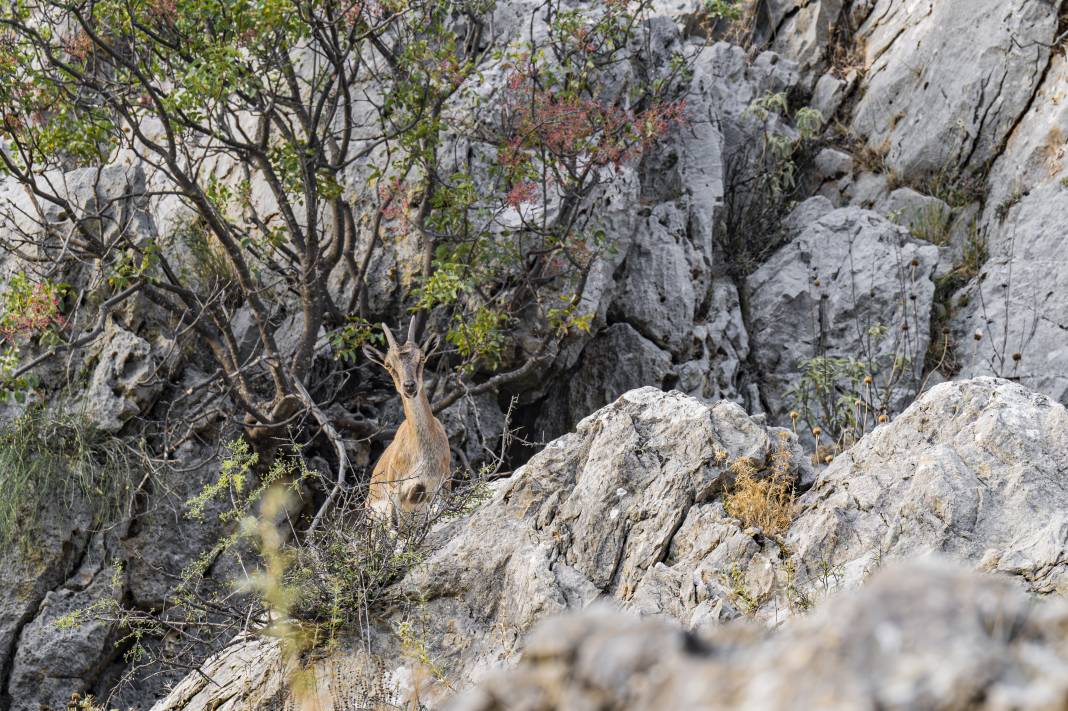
(765, 499)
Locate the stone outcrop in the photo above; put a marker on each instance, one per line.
(945, 83)
(629, 509)
(851, 284)
(922, 636)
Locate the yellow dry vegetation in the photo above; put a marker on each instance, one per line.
(763, 498)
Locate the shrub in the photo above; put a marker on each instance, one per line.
(761, 182)
(932, 225)
(763, 499)
(48, 459)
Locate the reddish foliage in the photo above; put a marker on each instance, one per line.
(39, 312)
(78, 45)
(522, 192)
(369, 12)
(163, 10)
(395, 199)
(579, 129)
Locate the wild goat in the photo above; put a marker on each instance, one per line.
(416, 465)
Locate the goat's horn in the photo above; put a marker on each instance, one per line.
(389, 336)
(412, 327)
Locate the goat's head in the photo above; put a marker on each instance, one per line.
(404, 362)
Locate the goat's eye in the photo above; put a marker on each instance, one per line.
(417, 494)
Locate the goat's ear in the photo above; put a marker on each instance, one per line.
(430, 345)
(374, 355)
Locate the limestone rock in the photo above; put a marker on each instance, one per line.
(1019, 302)
(124, 380)
(655, 290)
(599, 513)
(55, 659)
(945, 82)
(628, 509)
(799, 29)
(974, 470)
(850, 285)
(928, 637)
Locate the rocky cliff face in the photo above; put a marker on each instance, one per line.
(923, 243)
(629, 509)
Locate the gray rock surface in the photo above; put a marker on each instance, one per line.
(946, 82)
(655, 291)
(930, 89)
(628, 509)
(124, 381)
(920, 637)
(1035, 151)
(975, 470)
(27, 578)
(799, 29)
(618, 360)
(596, 514)
(1019, 302)
(842, 280)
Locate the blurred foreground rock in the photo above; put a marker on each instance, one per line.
(927, 637)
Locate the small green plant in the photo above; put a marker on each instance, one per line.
(749, 601)
(85, 703)
(954, 187)
(351, 337)
(941, 356)
(413, 639)
(212, 267)
(799, 600)
(1005, 206)
(830, 396)
(481, 338)
(59, 462)
(567, 317)
(780, 149)
(932, 224)
(730, 10)
(761, 183)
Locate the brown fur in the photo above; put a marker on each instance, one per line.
(416, 465)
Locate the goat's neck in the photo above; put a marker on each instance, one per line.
(417, 411)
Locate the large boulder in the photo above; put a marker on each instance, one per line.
(601, 513)
(919, 637)
(124, 382)
(655, 289)
(946, 82)
(28, 575)
(976, 470)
